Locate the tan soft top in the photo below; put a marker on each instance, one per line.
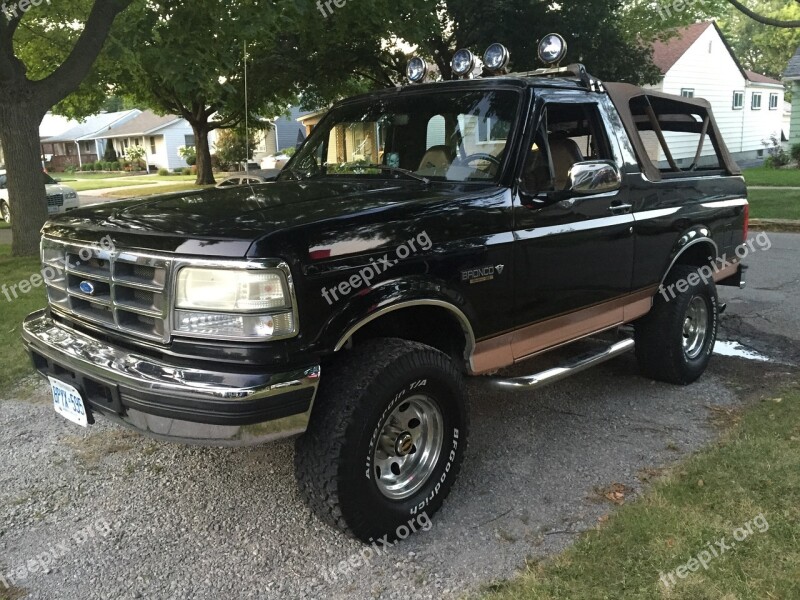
(676, 111)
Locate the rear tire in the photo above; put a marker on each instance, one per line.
(386, 439)
(675, 340)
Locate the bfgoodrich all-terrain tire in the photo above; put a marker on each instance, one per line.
(386, 439)
(674, 341)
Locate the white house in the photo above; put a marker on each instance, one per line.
(748, 107)
(160, 136)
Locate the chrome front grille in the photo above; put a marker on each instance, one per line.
(55, 200)
(117, 289)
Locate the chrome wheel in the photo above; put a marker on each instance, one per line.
(695, 327)
(408, 447)
(5, 213)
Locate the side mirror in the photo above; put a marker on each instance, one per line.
(594, 177)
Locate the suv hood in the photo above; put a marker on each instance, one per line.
(226, 222)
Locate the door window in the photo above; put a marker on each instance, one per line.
(566, 134)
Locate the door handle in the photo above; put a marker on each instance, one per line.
(620, 208)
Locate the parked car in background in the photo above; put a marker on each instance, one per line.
(249, 178)
(60, 198)
(276, 161)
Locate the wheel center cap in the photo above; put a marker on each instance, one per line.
(403, 444)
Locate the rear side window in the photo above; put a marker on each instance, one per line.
(678, 137)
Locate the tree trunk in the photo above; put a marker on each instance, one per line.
(205, 174)
(19, 131)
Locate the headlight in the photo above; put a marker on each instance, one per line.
(416, 69)
(231, 290)
(70, 195)
(233, 303)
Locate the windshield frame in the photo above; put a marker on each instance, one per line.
(508, 165)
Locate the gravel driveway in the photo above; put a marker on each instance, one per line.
(118, 516)
(113, 515)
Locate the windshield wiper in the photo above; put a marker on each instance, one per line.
(398, 170)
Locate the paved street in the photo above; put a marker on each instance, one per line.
(210, 523)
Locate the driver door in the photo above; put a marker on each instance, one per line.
(573, 253)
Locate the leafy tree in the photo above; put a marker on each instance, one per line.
(187, 58)
(764, 48)
(46, 52)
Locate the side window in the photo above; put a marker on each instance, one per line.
(567, 134)
(677, 136)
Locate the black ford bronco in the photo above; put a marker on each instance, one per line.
(419, 235)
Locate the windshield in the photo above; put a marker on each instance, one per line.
(451, 136)
(49, 180)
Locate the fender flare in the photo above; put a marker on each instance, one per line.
(393, 295)
(692, 237)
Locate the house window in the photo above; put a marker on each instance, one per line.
(773, 101)
(188, 141)
(755, 101)
(492, 129)
(687, 92)
(152, 144)
(738, 100)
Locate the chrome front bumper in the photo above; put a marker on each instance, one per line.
(168, 401)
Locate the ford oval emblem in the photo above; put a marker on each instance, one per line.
(87, 287)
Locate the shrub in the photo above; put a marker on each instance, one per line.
(115, 166)
(795, 152)
(178, 170)
(188, 153)
(98, 166)
(289, 151)
(88, 167)
(70, 169)
(110, 155)
(135, 154)
(186, 171)
(777, 157)
(163, 172)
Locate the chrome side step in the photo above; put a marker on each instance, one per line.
(581, 363)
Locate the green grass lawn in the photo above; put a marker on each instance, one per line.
(774, 204)
(776, 177)
(86, 176)
(162, 189)
(13, 358)
(753, 471)
(96, 183)
(4, 225)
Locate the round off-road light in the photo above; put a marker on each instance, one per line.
(552, 49)
(496, 58)
(463, 62)
(417, 69)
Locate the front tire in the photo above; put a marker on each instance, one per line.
(675, 340)
(5, 211)
(386, 439)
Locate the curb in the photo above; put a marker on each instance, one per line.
(777, 225)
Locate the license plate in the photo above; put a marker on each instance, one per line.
(68, 402)
(52, 209)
